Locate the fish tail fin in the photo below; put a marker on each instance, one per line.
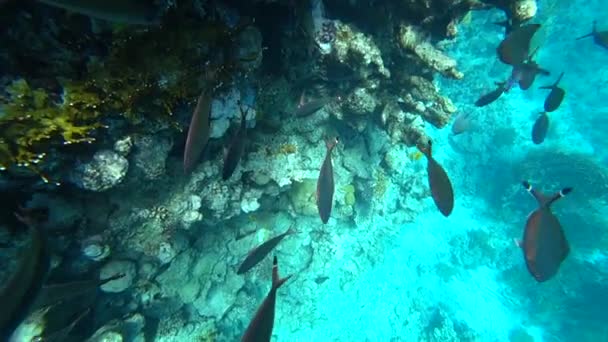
(585, 36)
(276, 280)
(244, 112)
(554, 85)
(558, 79)
(563, 192)
(540, 198)
(331, 143)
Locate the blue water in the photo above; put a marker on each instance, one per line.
(466, 269)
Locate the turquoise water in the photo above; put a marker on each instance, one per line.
(463, 278)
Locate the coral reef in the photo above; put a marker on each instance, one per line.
(106, 170)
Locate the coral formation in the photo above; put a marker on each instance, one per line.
(106, 170)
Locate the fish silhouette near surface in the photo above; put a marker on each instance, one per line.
(198, 132)
(140, 12)
(555, 97)
(544, 244)
(439, 182)
(492, 96)
(599, 37)
(260, 252)
(236, 148)
(260, 327)
(515, 48)
(539, 130)
(325, 183)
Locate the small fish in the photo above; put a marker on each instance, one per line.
(198, 132)
(490, 97)
(260, 327)
(415, 156)
(461, 124)
(259, 253)
(544, 243)
(555, 97)
(541, 125)
(21, 290)
(599, 37)
(236, 148)
(139, 12)
(514, 49)
(439, 182)
(325, 183)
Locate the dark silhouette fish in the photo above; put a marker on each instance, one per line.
(22, 288)
(555, 97)
(198, 132)
(260, 252)
(236, 148)
(514, 49)
(260, 327)
(544, 243)
(325, 183)
(441, 187)
(599, 37)
(539, 131)
(490, 97)
(141, 12)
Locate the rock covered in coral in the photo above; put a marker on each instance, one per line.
(523, 10)
(123, 146)
(95, 248)
(412, 39)
(115, 267)
(105, 171)
(424, 100)
(360, 102)
(359, 51)
(150, 154)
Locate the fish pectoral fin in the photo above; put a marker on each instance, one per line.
(519, 243)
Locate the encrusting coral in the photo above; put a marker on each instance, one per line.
(31, 121)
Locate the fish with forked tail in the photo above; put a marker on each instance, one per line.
(492, 96)
(325, 183)
(257, 254)
(198, 132)
(544, 244)
(539, 130)
(555, 97)
(599, 37)
(236, 148)
(439, 182)
(260, 327)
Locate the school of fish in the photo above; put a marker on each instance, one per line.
(544, 244)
